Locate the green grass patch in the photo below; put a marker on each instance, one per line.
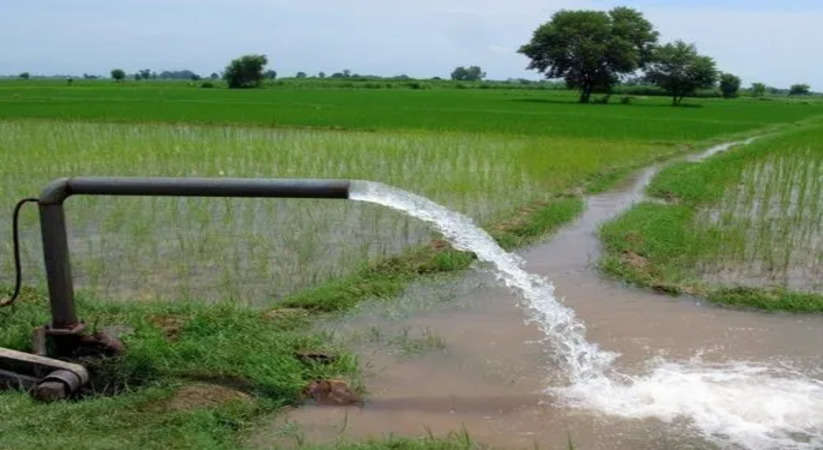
(768, 299)
(224, 349)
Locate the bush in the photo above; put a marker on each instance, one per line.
(246, 71)
(626, 100)
(729, 85)
(207, 84)
(417, 85)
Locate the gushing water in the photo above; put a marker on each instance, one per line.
(563, 330)
(738, 403)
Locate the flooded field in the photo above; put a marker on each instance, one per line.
(771, 224)
(256, 250)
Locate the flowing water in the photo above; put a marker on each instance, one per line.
(686, 376)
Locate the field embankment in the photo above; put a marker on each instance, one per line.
(741, 228)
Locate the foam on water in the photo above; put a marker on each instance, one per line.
(737, 403)
(750, 405)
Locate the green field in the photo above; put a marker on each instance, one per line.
(518, 112)
(516, 160)
(743, 228)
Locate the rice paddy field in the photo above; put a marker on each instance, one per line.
(743, 228)
(194, 280)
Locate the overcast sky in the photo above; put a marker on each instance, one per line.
(776, 42)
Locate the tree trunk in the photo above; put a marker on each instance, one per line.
(585, 94)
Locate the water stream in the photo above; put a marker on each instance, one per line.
(737, 403)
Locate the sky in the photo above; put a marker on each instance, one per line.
(775, 42)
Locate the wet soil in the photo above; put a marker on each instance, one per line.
(489, 374)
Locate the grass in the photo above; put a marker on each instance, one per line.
(234, 350)
(742, 228)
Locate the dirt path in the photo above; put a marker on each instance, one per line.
(459, 355)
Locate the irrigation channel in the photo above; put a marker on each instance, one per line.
(519, 368)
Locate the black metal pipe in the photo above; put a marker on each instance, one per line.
(53, 222)
(58, 190)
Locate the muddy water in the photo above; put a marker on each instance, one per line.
(454, 355)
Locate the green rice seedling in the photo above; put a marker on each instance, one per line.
(195, 248)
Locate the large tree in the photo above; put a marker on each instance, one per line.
(246, 71)
(680, 70)
(591, 49)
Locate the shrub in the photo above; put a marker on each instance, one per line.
(246, 71)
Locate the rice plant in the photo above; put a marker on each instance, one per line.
(262, 249)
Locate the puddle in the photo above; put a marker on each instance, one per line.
(490, 370)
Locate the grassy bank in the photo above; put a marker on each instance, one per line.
(742, 228)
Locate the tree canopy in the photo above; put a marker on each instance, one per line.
(758, 89)
(24, 75)
(591, 49)
(471, 73)
(680, 70)
(800, 89)
(729, 85)
(246, 71)
(118, 74)
(144, 74)
(184, 74)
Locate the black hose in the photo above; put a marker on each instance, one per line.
(15, 231)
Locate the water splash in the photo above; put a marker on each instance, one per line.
(741, 404)
(563, 330)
